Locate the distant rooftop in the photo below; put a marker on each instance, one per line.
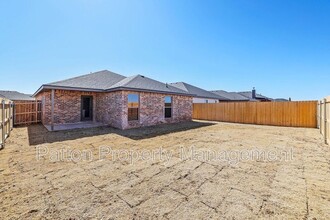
(197, 92)
(242, 96)
(15, 96)
(233, 96)
(248, 94)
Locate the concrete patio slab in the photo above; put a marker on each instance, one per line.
(71, 126)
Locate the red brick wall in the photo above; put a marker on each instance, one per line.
(151, 110)
(67, 106)
(111, 108)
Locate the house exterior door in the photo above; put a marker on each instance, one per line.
(86, 108)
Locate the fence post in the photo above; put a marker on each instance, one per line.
(319, 105)
(3, 123)
(320, 116)
(325, 121)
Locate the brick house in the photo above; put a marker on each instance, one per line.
(112, 99)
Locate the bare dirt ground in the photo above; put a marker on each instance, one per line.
(52, 186)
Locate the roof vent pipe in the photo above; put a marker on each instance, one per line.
(253, 93)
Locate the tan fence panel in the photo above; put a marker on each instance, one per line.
(323, 116)
(292, 114)
(6, 120)
(27, 112)
(327, 120)
(321, 106)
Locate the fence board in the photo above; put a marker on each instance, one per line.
(292, 114)
(27, 112)
(324, 118)
(6, 120)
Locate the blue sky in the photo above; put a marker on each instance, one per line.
(280, 47)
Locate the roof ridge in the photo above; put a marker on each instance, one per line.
(176, 88)
(184, 85)
(75, 77)
(9, 91)
(128, 79)
(80, 76)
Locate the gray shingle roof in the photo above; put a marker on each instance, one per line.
(15, 96)
(140, 82)
(99, 80)
(233, 96)
(109, 81)
(197, 92)
(280, 100)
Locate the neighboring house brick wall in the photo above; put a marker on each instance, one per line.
(205, 100)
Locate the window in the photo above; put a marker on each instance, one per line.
(168, 106)
(133, 107)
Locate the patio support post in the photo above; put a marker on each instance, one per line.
(36, 103)
(52, 113)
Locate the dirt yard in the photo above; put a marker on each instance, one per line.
(89, 174)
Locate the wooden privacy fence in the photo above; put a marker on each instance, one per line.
(6, 120)
(323, 118)
(291, 114)
(27, 112)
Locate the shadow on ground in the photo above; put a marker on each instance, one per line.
(38, 134)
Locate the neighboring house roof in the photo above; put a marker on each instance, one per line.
(232, 96)
(248, 94)
(108, 81)
(15, 96)
(197, 92)
(280, 100)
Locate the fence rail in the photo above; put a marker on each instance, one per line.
(291, 114)
(6, 120)
(27, 112)
(323, 118)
